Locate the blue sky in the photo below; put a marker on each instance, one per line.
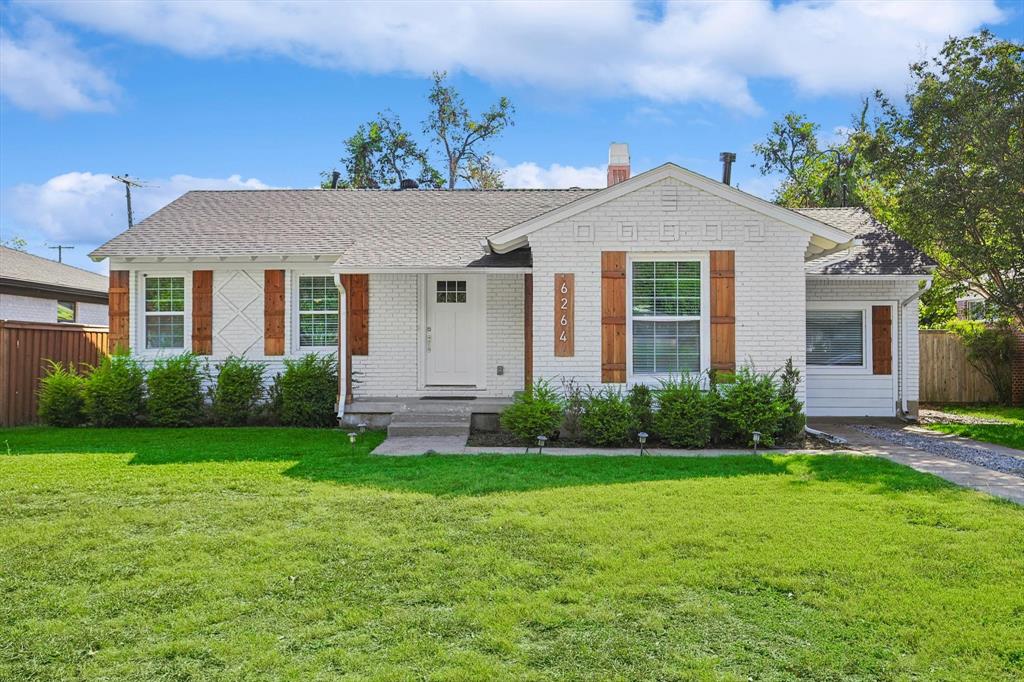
(194, 95)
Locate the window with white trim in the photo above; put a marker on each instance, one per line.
(666, 317)
(165, 312)
(835, 338)
(318, 312)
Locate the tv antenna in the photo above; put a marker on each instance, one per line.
(60, 251)
(128, 184)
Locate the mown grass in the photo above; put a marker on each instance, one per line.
(226, 554)
(1010, 433)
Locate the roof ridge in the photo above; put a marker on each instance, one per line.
(396, 190)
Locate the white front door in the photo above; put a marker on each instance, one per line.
(455, 330)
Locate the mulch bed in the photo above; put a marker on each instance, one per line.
(504, 439)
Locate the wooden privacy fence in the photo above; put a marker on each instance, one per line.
(25, 348)
(946, 375)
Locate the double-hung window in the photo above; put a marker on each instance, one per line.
(318, 312)
(666, 316)
(835, 338)
(165, 312)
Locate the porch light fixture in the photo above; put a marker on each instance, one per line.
(642, 437)
(540, 444)
(352, 437)
(756, 437)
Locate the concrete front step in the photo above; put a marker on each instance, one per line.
(427, 429)
(431, 418)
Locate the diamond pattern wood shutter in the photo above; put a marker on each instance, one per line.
(118, 310)
(723, 311)
(202, 312)
(881, 339)
(613, 317)
(273, 312)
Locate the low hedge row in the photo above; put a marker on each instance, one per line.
(120, 392)
(686, 412)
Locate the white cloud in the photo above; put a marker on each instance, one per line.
(528, 175)
(42, 70)
(89, 208)
(706, 51)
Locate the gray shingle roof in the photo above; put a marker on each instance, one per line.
(367, 228)
(25, 267)
(425, 228)
(882, 251)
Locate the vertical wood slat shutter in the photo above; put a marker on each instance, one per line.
(273, 312)
(119, 310)
(357, 296)
(202, 312)
(613, 317)
(723, 311)
(881, 339)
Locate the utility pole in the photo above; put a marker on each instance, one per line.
(60, 251)
(128, 184)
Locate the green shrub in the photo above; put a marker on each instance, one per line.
(750, 403)
(641, 402)
(175, 391)
(61, 396)
(608, 419)
(989, 349)
(115, 391)
(306, 394)
(573, 402)
(685, 413)
(791, 426)
(238, 391)
(534, 412)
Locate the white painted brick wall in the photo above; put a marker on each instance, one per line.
(880, 292)
(93, 313)
(396, 322)
(27, 308)
(770, 281)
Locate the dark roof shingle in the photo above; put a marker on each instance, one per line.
(882, 251)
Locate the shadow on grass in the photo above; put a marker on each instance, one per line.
(327, 456)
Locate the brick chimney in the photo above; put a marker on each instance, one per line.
(618, 163)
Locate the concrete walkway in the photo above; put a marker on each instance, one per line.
(1006, 486)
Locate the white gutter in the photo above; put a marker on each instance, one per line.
(342, 350)
(901, 365)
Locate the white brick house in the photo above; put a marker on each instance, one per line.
(428, 293)
(36, 289)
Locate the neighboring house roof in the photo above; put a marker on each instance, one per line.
(880, 252)
(20, 270)
(824, 237)
(370, 228)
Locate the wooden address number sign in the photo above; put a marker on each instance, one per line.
(565, 286)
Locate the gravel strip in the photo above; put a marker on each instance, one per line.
(926, 416)
(1008, 464)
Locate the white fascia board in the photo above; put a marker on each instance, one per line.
(424, 270)
(234, 258)
(516, 236)
(870, 278)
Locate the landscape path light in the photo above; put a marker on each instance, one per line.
(756, 436)
(541, 440)
(642, 437)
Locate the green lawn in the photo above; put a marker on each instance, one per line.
(1010, 434)
(253, 554)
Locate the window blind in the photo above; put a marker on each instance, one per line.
(835, 338)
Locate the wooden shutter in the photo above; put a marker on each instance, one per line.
(881, 339)
(723, 311)
(613, 317)
(118, 307)
(273, 312)
(202, 312)
(357, 297)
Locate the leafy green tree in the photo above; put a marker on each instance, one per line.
(460, 136)
(954, 160)
(938, 304)
(483, 175)
(381, 153)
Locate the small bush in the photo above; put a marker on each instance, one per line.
(607, 419)
(175, 391)
(306, 394)
(573, 400)
(61, 396)
(641, 402)
(750, 403)
(535, 412)
(238, 391)
(685, 413)
(791, 426)
(115, 391)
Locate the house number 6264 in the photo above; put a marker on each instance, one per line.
(564, 290)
